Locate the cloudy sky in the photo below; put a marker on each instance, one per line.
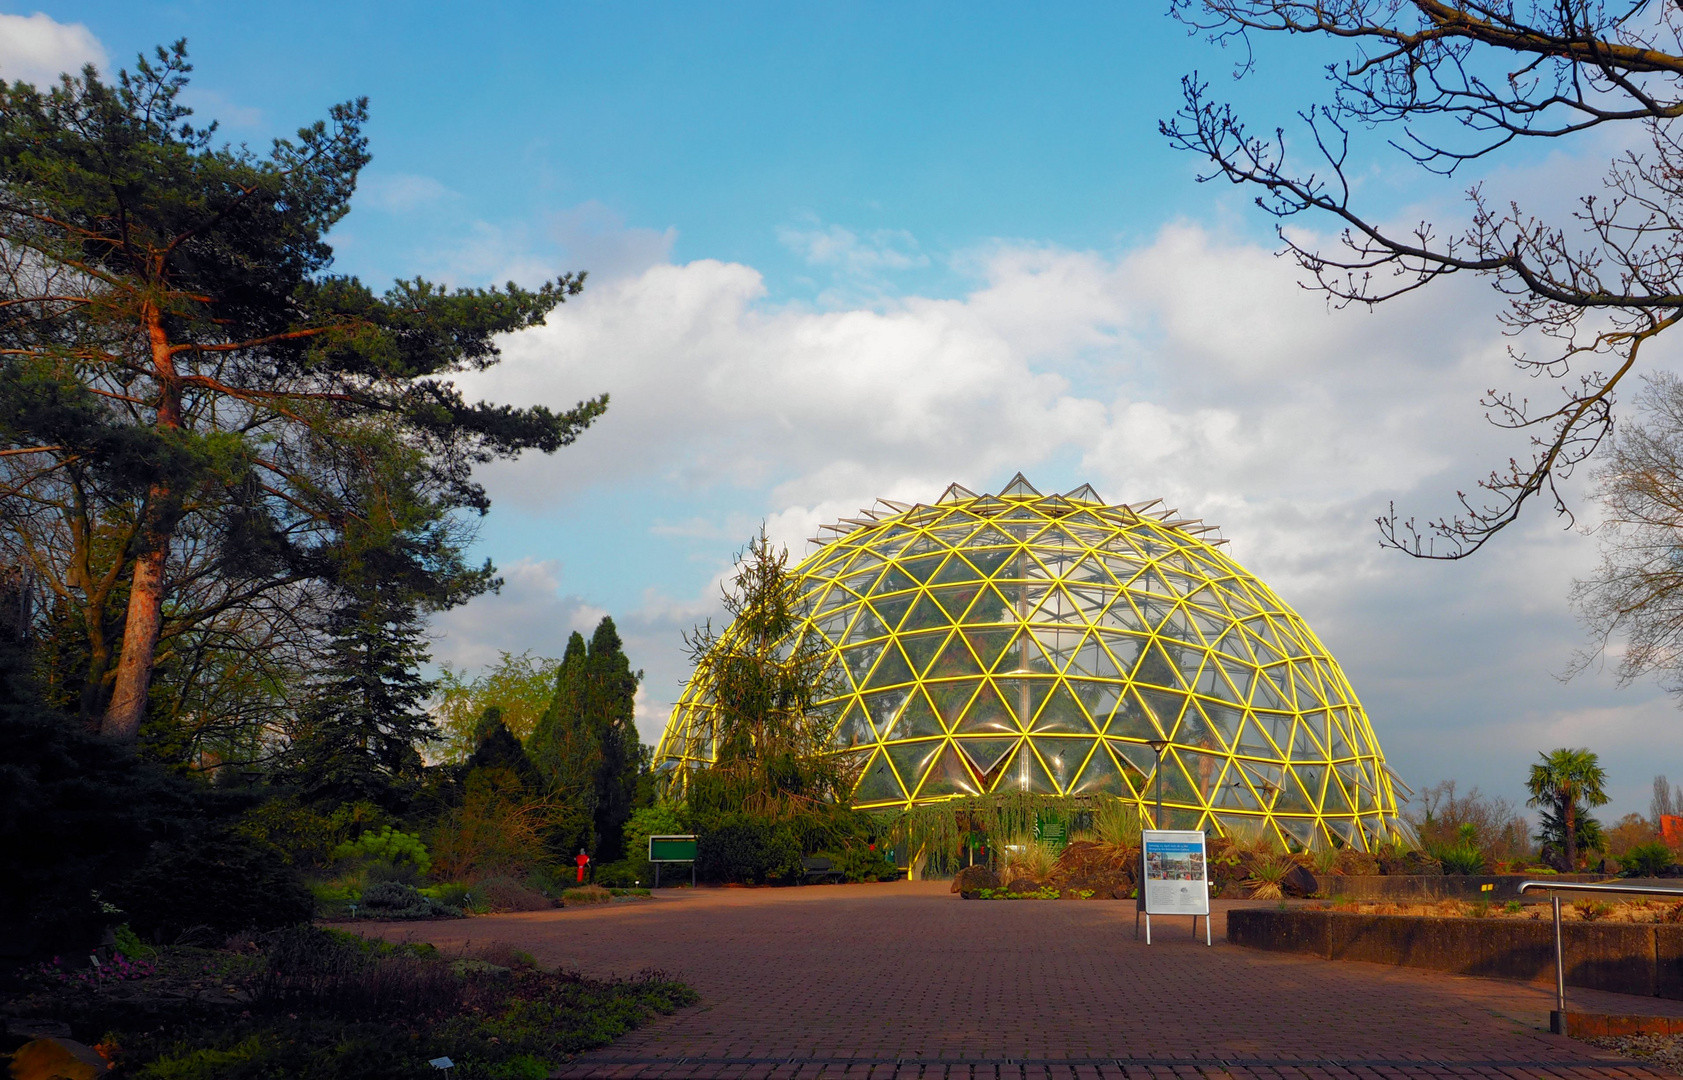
(856, 250)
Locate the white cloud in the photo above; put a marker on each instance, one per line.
(37, 49)
(400, 193)
(845, 250)
(1191, 368)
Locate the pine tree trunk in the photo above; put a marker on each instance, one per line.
(1569, 815)
(146, 591)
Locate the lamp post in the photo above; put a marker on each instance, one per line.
(1158, 746)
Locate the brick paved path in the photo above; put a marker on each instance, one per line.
(906, 980)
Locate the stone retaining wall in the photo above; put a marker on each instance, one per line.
(1626, 958)
(1438, 886)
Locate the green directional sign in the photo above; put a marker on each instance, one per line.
(672, 849)
(1051, 832)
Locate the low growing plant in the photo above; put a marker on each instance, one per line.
(1267, 873)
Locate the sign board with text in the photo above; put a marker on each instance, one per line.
(1175, 879)
(671, 849)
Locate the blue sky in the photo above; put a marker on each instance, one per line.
(849, 250)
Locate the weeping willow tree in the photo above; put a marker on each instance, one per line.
(945, 829)
(761, 686)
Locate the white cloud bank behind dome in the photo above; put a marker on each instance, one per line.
(1189, 368)
(37, 49)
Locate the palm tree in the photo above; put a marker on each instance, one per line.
(1562, 780)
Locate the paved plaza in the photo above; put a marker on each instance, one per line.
(907, 980)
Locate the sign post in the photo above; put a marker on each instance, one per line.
(1174, 878)
(665, 849)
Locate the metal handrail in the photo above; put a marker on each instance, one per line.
(1557, 1019)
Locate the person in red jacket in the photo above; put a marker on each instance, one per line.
(583, 860)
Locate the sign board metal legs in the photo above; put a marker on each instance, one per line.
(1137, 913)
(679, 849)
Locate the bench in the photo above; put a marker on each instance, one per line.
(820, 869)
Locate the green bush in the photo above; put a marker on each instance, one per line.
(1653, 859)
(860, 863)
(1461, 859)
(748, 849)
(467, 898)
(386, 846)
(395, 900)
(207, 889)
(587, 894)
(625, 874)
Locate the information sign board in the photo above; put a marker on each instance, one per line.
(671, 849)
(1176, 879)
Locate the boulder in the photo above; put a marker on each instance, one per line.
(57, 1059)
(1023, 885)
(972, 879)
(1086, 866)
(1299, 881)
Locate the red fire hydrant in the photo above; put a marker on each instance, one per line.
(583, 860)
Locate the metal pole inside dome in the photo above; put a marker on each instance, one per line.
(1158, 746)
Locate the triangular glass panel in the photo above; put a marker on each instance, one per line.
(1305, 744)
(1088, 571)
(1025, 695)
(1131, 721)
(1060, 645)
(892, 671)
(1056, 607)
(1137, 761)
(1026, 773)
(1061, 715)
(1313, 778)
(1301, 830)
(1101, 775)
(1098, 698)
(1336, 801)
(987, 755)
(949, 775)
(916, 720)
(989, 644)
(861, 658)
(895, 580)
(955, 571)
(1266, 696)
(921, 568)
(1023, 655)
(1178, 626)
(1165, 705)
(922, 648)
(1234, 793)
(1084, 494)
(1121, 615)
(877, 783)
(991, 561)
(1195, 730)
(854, 728)
(1125, 650)
(1089, 600)
(1204, 770)
(1062, 758)
(866, 626)
(1156, 669)
(990, 607)
(1087, 659)
(925, 614)
(1177, 785)
(891, 609)
(950, 698)
(1151, 581)
(987, 714)
(955, 599)
(1225, 721)
(1293, 799)
(884, 707)
(912, 760)
(955, 493)
(1233, 643)
(1019, 487)
(1338, 747)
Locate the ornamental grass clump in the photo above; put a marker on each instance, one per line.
(1267, 874)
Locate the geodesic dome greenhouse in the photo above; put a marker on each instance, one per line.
(1021, 642)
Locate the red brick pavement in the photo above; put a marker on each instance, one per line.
(906, 980)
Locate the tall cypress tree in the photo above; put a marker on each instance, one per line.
(586, 743)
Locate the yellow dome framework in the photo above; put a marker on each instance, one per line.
(1020, 642)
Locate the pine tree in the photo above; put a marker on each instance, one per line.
(359, 733)
(562, 746)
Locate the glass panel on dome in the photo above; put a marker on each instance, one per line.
(1131, 721)
(1212, 683)
(1057, 607)
(832, 626)
(1023, 655)
(916, 720)
(1302, 830)
(1151, 581)
(1204, 770)
(1265, 780)
(1086, 658)
(990, 607)
(1305, 745)
(1156, 668)
(955, 571)
(893, 581)
(988, 756)
(954, 599)
(912, 760)
(854, 728)
(1125, 652)
(892, 609)
(1292, 799)
(922, 648)
(1313, 778)
(987, 714)
(949, 775)
(883, 707)
(921, 568)
(1019, 486)
(950, 698)
(1177, 784)
(989, 644)
(1098, 698)
(1062, 758)
(1089, 570)
(893, 669)
(1121, 615)
(1336, 801)
(1061, 714)
(1089, 600)
(1234, 793)
(1265, 696)
(1059, 645)
(1224, 720)
(860, 659)
(1307, 687)
(877, 782)
(866, 626)
(1233, 643)
(1101, 774)
(1025, 773)
(1241, 828)
(925, 614)
(1176, 625)
(1194, 730)
(991, 560)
